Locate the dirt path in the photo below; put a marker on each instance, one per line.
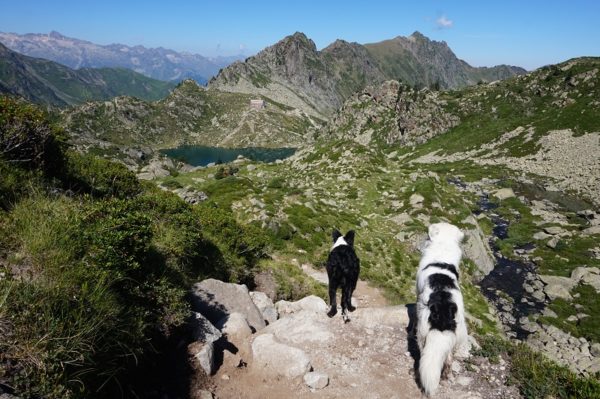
(365, 295)
(370, 357)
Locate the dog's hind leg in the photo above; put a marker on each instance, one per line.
(348, 298)
(332, 301)
(346, 295)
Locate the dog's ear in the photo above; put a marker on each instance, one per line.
(349, 238)
(434, 231)
(335, 235)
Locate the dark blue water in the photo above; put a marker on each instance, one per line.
(202, 156)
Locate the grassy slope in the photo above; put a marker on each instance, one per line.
(190, 115)
(46, 82)
(95, 266)
(536, 100)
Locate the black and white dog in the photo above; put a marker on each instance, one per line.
(441, 327)
(343, 267)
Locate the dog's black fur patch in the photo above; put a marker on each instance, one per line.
(441, 306)
(447, 266)
(343, 267)
(440, 282)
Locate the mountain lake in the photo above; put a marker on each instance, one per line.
(202, 155)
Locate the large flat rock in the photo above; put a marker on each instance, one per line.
(216, 300)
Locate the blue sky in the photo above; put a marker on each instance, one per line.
(528, 33)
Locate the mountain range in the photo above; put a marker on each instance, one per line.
(158, 63)
(295, 73)
(49, 83)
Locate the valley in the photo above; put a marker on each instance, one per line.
(389, 137)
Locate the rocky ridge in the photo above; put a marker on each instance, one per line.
(294, 73)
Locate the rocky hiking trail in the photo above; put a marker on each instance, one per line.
(301, 353)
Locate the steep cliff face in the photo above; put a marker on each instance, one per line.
(293, 72)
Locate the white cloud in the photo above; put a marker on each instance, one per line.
(444, 23)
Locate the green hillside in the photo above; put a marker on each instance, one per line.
(48, 83)
(191, 114)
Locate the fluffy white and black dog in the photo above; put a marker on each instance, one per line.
(441, 329)
(343, 267)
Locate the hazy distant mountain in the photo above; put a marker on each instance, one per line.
(293, 72)
(47, 82)
(158, 63)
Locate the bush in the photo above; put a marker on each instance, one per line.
(242, 246)
(98, 177)
(26, 135)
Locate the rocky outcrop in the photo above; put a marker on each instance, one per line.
(562, 347)
(294, 73)
(392, 113)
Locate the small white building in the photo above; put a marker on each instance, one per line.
(257, 104)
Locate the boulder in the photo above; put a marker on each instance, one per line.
(316, 379)
(278, 359)
(311, 303)
(540, 235)
(593, 280)
(478, 250)
(591, 231)
(557, 287)
(554, 230)
(235, 327)
(202, 329)
(416, 200)
(204, 354)
(216, 299)
(595, 349)
(401, 218)
(265, 305)
(204, 335)
(191, 196)
(301, 327)
(504, 193)
(553, 242)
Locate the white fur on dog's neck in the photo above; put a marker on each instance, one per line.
(441, 251)
(339, 241)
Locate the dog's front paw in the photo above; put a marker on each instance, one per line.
(332, 312)
(351, 308)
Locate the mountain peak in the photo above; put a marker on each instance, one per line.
(298, 38)
(56, 35)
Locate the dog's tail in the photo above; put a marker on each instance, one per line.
(438, 346)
